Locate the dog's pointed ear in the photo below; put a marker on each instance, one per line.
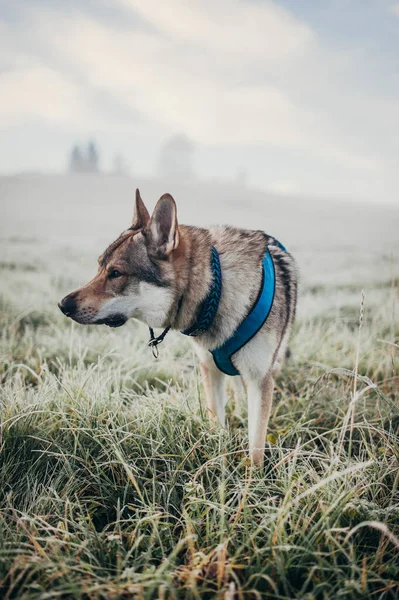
(162, 233)
(141, 215)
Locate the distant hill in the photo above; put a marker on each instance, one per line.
(92, 209)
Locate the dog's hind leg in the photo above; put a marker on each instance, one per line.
(260, 395)
(215, 389)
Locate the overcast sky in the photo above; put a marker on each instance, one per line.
(301, 94)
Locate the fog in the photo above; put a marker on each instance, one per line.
(278, 116)
(93, 209)
(81, 214)
(291, 97)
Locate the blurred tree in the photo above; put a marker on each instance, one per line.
(92, 158)
(76, 160)
(119, 165)
(176, 158)
(84, 161)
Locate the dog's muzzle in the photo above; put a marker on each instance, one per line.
(86, 316)
(68, 305)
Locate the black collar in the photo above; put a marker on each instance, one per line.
(208, 309)
(211, 303)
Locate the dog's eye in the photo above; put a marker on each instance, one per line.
(114, 274)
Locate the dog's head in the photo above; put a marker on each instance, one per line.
(135, 274)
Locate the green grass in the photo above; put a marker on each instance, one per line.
(114, 484)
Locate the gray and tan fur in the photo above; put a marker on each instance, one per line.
(159, 272)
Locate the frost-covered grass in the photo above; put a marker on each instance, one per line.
(114, 484)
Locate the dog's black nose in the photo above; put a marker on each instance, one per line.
(68, 305)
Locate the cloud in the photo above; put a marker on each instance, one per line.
(231, 73)
(220, 72)
(246, 30)
(38, 92)
(150, 77)
(394, 9)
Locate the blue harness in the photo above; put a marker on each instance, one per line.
(252, 323)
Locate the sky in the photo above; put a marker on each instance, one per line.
(301, 95)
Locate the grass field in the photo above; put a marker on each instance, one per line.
(114, 484)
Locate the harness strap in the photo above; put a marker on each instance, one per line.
(250, 326)
(247, 329)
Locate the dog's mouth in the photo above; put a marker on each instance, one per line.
(116, 320)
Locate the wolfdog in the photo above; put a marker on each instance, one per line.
(232, 291)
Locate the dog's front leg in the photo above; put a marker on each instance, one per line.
(214, 386)
(260, 395)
